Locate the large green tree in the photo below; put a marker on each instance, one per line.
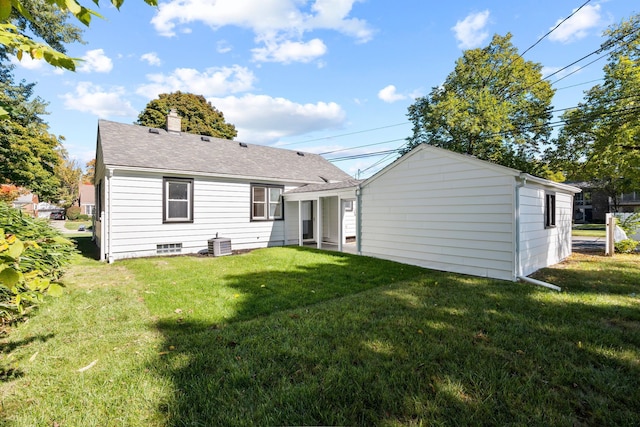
(28, 152)
(600, 141)
(494, 105)
(198, 115)
(69, 174)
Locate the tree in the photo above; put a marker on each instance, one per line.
(68, 173)
(494, 106)
(89, 177)
(18, 41)
(28, 152)
(600, 140)
(198, 115)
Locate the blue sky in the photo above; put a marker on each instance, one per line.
(312, 75)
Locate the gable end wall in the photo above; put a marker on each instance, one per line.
(436, 211)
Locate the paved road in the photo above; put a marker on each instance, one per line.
(588, 244)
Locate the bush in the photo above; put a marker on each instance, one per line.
(73, 213)
(84, 217)
(32, 259)
(626, 246)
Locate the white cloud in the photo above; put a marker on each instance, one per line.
(265, 119)
(275, 21)
(470, 32)
(211, 82)
(578, 26)
(28, 63)
(151, 58)
(223, 46)
(90, 98)
(389, 94)
(95, 61)
(290, 51)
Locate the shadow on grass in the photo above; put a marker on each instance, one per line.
(427, 347)
(87, 247)
(8, 372)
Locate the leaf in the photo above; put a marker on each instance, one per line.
(55, 290)
(9, 277)
(73, 6)
(89, 366)
(5, 9)
(16, 249)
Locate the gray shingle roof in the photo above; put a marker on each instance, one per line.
(127, 145)
(347, 183)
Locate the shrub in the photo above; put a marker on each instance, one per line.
(73, 213)
(630, 224)
(626, 246)
(32, 258)
(84, 217)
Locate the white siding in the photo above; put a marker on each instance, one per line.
(540, 246)
(220, 207)
(349, 222)
(436, 211)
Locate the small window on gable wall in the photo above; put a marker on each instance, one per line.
(549, 210)
(266, 202)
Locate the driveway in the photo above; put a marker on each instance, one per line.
(588, 244)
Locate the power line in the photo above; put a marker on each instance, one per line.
(344, 134)
(554, 28)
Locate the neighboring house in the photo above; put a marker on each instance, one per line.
(163, 191)
(27, 203)
(593, 204)
(448, 211)
(49, 211)
(87, 199)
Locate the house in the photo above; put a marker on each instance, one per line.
(86, 199)
(593, 204)
(27, 203)
(162, 192)
(448, 211)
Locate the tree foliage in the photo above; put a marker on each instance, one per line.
(18, 15)
(600, 141)
(198, 115)
(89, 177)
(494, 105)
(68, 173)
(28, 152)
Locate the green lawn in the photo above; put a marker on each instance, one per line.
(589, 230)
(291, 336)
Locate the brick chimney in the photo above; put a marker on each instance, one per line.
(174, 122)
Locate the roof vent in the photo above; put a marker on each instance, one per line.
(242, 144)
(205, 138)
(300, 153)
(156, 131)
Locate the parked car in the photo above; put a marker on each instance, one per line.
(57, 215)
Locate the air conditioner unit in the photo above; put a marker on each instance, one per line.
(219, 246)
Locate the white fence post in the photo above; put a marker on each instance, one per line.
(609, 249)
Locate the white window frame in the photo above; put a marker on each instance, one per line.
(166, 202)
(268, 203)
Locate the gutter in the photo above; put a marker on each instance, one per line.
(358, 219)
(109, 175)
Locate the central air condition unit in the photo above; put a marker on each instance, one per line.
(219, 246)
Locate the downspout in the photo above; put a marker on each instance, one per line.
(519, 275)
(109, 212)
(358, 219)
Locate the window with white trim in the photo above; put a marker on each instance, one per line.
(549, 210)
(177, 200)
(266, 202)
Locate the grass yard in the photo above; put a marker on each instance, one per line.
(292, 336)
(589, 230)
